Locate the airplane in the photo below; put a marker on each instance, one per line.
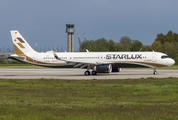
(93, 62)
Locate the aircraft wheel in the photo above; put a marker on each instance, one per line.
(87, 73)
(94, 72)
(155, 73)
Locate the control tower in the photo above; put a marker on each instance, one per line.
(70, 37)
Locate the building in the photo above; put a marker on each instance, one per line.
(70, 37)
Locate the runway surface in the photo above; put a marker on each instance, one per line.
(10, 73)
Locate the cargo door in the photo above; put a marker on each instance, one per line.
(35, 58)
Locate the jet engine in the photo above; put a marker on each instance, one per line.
(103, 68)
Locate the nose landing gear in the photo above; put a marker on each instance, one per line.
(154, 71)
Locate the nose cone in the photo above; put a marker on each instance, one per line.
(171, 62)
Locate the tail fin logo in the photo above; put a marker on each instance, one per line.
(20, 43)
(20, 39)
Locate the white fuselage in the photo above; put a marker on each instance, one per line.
(147, 59)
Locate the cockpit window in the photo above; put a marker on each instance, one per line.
(164, 56)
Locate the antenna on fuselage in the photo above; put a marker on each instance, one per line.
(36, 45)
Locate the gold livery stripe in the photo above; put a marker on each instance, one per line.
(20, 53)
(151, 64)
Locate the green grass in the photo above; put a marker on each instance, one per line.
(51, 99)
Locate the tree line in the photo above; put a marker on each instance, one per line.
(103, 45)
(166, 43)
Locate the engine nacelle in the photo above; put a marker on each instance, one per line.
(103, 68)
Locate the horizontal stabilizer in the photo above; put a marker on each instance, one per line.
(16, 57)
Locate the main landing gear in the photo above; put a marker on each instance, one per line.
(154, 71)
(88, 72)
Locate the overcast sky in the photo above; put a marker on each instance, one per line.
(44, 20)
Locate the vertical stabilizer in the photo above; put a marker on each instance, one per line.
(20, 44)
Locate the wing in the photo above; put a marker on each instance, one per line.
(81, 63)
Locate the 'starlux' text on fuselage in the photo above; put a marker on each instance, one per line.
(124, 56)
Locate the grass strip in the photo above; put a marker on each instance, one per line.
(41, 99)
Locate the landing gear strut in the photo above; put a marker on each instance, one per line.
(154, 71)
(88, 71)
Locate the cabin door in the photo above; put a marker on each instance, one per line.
(153, 57)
